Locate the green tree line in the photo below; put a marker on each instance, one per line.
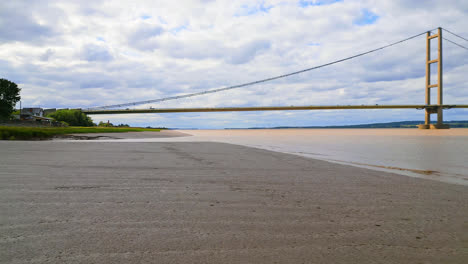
(9, 96)
(72, 117)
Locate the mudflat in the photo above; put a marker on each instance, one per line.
(200, 202)
(133, 135)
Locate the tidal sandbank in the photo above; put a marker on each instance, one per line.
(439, 155)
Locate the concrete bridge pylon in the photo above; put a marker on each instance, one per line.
(437, 108)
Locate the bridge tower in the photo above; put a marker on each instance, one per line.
(434, 108)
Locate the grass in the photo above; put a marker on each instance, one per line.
(25, 133)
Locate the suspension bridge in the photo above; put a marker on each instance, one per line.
(429, 107)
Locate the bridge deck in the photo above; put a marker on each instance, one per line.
(263, 108)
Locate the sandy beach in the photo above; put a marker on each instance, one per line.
(204, 202)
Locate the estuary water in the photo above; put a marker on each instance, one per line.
(432, 154)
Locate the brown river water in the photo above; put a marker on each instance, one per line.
(432, 154)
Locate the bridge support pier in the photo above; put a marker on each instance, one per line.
(433, 109)
(438, 108)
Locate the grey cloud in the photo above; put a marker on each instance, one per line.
(398, 69)
(12, 72)
(209, 49)
(416, 4)
(202, 49)
(386, 76)
(93, 52)
(15, 26)
(248, 51)
(92, 10)
(148, 31)
(140, 83)
(47, 54)
(98, 83)
(67, 81)
(29, 21)
(93, 79)
(143, 36)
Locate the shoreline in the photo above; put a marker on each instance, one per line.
(332, 146)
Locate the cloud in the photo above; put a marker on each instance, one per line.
(144, 36)
(195, 49)
(306, 3)
(47, 55)
(366, 17)
(17, 24)
(99, 82)
(249, 10)
(212, 49)
(247, 52)
(91, 52)
(81, 54)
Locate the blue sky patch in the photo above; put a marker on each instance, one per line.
(367, 17)
(178, 29)
(248, 10)
(162, 20)
(306, 3)
(145, 17)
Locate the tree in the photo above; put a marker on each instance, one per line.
(108, 124)
(73, 117)
(9, 96)
(105, 124)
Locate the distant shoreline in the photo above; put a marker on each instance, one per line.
(400, 124)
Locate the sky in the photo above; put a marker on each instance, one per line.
(81, 54)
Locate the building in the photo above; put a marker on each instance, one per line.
(32, 111)
(35, 114)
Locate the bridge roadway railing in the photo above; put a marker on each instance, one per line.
(264, 108)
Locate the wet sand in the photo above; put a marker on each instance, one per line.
(199, 202)
(439, 155)
(126, 135)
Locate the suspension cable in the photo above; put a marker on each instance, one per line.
(455, 34)
(453, 42)
(258, 81)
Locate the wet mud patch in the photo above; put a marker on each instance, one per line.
(78, 187)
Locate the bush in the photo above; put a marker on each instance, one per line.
(108, 124)
(105, 124)
(72, 117)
